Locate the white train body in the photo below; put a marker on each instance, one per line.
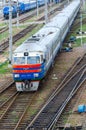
(33, 58)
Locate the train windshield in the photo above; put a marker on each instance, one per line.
(19, 60)
(33, 60)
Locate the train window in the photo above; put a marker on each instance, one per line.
(33, 60)
(41, 58)
(19, 60)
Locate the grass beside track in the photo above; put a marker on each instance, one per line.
(4, 69)
(77, 43)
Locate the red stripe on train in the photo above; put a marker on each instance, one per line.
(26, 71)
(27, 66)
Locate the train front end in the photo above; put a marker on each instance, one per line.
(6, 12)
(28, 70)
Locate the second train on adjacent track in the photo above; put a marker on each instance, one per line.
(33, 58)
(23, 6)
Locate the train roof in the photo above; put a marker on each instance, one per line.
(62, 18)
(57, 22)
(24, 1)
(39, 41)
(45, 36)
(70, 8)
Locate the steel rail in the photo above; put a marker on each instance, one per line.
(6, 94)
(9, 106)
(3, 30)
(23, 114)
(68, 99)
(10, 98)
(64, 81)
(11, 83)
(29, 127)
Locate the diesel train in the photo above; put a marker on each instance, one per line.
(33, 58)
(23, 6)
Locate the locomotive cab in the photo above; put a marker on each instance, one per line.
(28, 70)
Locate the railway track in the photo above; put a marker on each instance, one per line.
(4, 45)
(16, 107)
(52, 110)
(6, 95)
(21, 34)
(4, 86)
(77, 65)
(13, 111)
(41, 11)
(29, 15)
(60, 124)
(3, 29)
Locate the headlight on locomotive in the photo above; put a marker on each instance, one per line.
(36, 75)
(16, 75)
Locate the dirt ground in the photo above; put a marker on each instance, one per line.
(62, 63)
(75, 118)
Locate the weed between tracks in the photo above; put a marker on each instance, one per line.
(16, 117)
(4, 68)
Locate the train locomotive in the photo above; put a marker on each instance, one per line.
(33, 58)
(23, 6)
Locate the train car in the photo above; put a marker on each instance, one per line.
(33, 58)
(6, 12)
(24, 6)
(32, 4)
(41, 2)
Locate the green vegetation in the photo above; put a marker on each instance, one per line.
(77, 43)
(32, 111)
(4, 68)
(3, 24)
(5, 35)
(16, 118)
